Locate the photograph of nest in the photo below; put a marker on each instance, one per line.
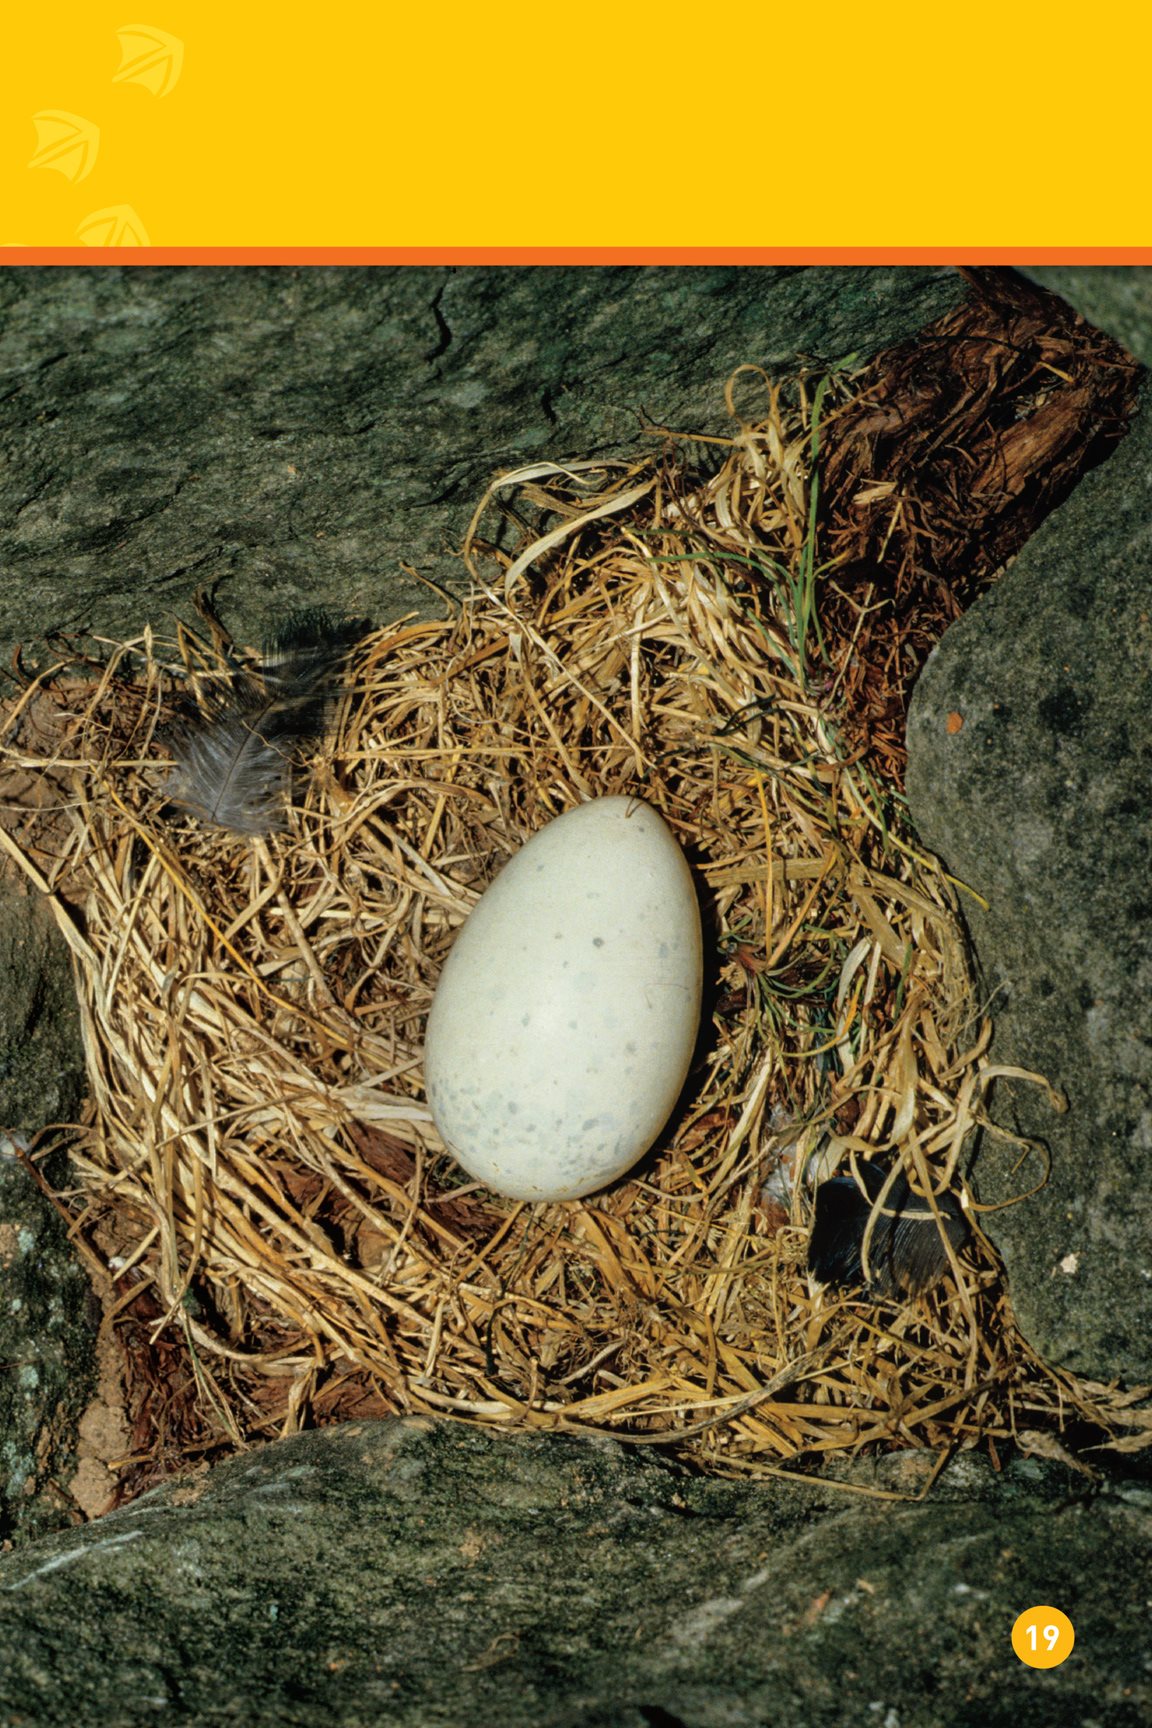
(258, 1179)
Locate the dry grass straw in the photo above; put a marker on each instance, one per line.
(259, 1159)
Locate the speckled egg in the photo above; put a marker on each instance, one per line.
(565, 1017)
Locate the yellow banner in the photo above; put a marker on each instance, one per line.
(590, 125)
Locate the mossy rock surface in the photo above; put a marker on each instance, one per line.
(305, 436)
(1114, 297)
(418, 1573)
(1030, 773)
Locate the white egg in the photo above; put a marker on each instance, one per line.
(565, 1017)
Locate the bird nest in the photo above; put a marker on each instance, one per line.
(284, 1237)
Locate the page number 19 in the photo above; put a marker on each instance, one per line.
(1043, 1637)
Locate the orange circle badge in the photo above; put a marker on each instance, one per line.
(1043, 1637)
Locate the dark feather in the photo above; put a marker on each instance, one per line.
(234, 753)
(906, 1254)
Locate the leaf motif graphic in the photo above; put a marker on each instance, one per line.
(118, 225)
(67, 142)
(149, 57)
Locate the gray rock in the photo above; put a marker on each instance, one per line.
(41, 1058)
(417, 1573)
(1042, 801)
(1114, 297)
(47, 1318)
(48, 1322)
(302, 434)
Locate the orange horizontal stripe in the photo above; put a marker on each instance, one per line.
(306, 255)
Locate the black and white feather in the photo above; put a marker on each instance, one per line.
(234, 752)
(906, 1251)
